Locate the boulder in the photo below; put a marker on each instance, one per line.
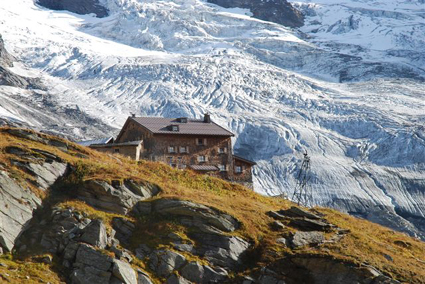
(121, 254)
(27, 134)
(324, 269)
(142, 208)
(143, 278)
(102, 195)
(61, 145)
(95, 234)
(300, 239)
(175, 279)
(70, 251)
(298, 212)
(221, 250)
(310, 225)
(143, 189)
(143, 251)
(196, 211)
(89, 256)
(163, 262)
(90, 275)
(382, 279)
(277, 226)
(185, 248)
(268, 279)
(275, 215)
(282, 241)
(124, 272)
(269, 276)
(124, 229)
(198, 273)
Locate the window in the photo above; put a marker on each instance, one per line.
(202, 159)
(238, 169)
(222, 150)
(222, 168)
(184, 149)
(175, 128)
(171, 149)
(201, 141)
(116, 150)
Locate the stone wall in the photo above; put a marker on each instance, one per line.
(245, 175)
(130, 151)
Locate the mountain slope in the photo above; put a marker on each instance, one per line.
(357, 110)
(104, 218)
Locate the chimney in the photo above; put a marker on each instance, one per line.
(207, 118)
(133, 115)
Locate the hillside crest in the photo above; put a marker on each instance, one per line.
(71, 214)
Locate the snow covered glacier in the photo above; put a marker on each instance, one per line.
(348, 87)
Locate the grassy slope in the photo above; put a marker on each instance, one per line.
(367, 242)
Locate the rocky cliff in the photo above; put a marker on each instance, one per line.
(277, 11)
(9, 78)
(76, 6)
(69, 214)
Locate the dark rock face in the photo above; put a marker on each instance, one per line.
(5, 58)
(277, 11)
(81, 7)
(9, 78)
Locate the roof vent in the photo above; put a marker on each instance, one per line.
(174, 128)
(207, 118)
(133, 115)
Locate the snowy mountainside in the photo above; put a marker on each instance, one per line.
(357, 110)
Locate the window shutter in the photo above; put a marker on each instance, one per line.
(205, 141)
(225, 149)
(206, 159)
(187, 149)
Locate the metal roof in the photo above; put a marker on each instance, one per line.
(204, 168)
(161, 125)
(100, 141)
(244, 160)
(130, 143)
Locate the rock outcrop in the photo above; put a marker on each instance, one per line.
(277, 11)
(196, 214)
(111, 231)
(5, 58)
(76, 6)
(115, 197)
(164, 262)
(17, 204)
(9, 78)
(18, 201)
(325, 270)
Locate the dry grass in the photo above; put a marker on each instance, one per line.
(367, 242)
(380, 247)
(13, 271)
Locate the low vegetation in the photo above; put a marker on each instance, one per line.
(395, 254)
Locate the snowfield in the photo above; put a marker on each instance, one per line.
(348, 87)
